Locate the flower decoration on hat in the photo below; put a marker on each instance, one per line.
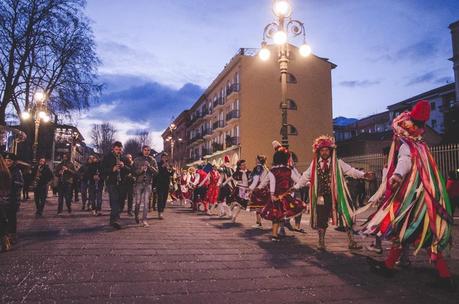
(323, 141)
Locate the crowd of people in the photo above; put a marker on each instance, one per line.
(412, 207)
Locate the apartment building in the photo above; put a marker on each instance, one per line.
(239, 113)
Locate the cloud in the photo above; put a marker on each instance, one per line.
(419, 51)
(430, 77)
(359, 83)
(133, 104)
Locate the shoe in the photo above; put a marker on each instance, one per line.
(380, 268)
(257, 226)
(233, 219)
(99, 213)
(447, 284)
(83, 208)
(69, 210)
(275, 239)
(374, 249)
(160, 216)
(300, 230)
(116, 225)
(130, 213)
(145, 224)
(94, 212)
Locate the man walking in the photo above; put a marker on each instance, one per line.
(145, 167)
(127, 184)
(164, 178)
(95, 185)
(113, 168)
(65, 171)
(41, 175)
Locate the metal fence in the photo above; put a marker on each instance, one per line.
(446, 156)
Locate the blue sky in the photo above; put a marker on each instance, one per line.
(157, 56)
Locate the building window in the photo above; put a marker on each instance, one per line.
(292, 105)
(292, 130)
(434, 123)
(290, 78)
(433, 106)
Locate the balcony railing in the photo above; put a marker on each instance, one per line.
(218, 124)
(232, 115)
(196, 137)
(206, 152)
(217, 147)
(232, 141)
(232, 89)
(206, 131)
(218, 102)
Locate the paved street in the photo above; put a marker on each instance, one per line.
(193, 259)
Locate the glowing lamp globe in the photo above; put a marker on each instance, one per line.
(282, 8)
(305, 50)
(280, 37)
(264, 54)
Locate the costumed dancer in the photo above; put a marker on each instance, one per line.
(185, 191)
(201, 189)
(259, 188)
(227, 186)
(282, 204)
(416, 208)
(212, 177)
(192, 184)
(241, 177)
(328, 192)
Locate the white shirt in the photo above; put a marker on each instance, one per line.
(347, 170)
(404, 163)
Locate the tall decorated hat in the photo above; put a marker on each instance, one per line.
(323, 141)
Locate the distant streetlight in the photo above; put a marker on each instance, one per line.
(278, 31)
(40, 113)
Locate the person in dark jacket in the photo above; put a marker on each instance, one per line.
(83, 176)
(17, 182)
(127, 185)
(95, 185)
(165, 172)
(5, 188)
(113, 170)
(41, 175)
(65, 171)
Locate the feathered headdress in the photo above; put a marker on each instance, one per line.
(323, 141)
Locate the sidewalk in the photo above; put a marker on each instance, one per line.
(189, 258)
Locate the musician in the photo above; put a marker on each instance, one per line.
(41, 175)
(165, 173)
(65, 171)
(95, 185)
(127, 184)
(145, 168)
(113, 169)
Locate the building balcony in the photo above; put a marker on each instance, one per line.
(196, 137)
(218, 103)
(206, 152)
(217, 147)
(234, 114)
(232, 141)
(218, 124)
(232, 90)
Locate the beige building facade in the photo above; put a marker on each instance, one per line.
(239, 113)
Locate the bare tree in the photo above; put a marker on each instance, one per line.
(132, 146)
(103, 136)
(46, 45)
(143, 137)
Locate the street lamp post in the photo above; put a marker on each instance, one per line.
(172, 140)
(40, 113)
(278, 31)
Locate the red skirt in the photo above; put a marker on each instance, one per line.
(259, 198)
(286, 208)
(212, 194)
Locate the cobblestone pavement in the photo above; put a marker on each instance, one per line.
(189, 258)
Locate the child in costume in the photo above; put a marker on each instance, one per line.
(259, 189)
(282, 205)
(241, 177)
